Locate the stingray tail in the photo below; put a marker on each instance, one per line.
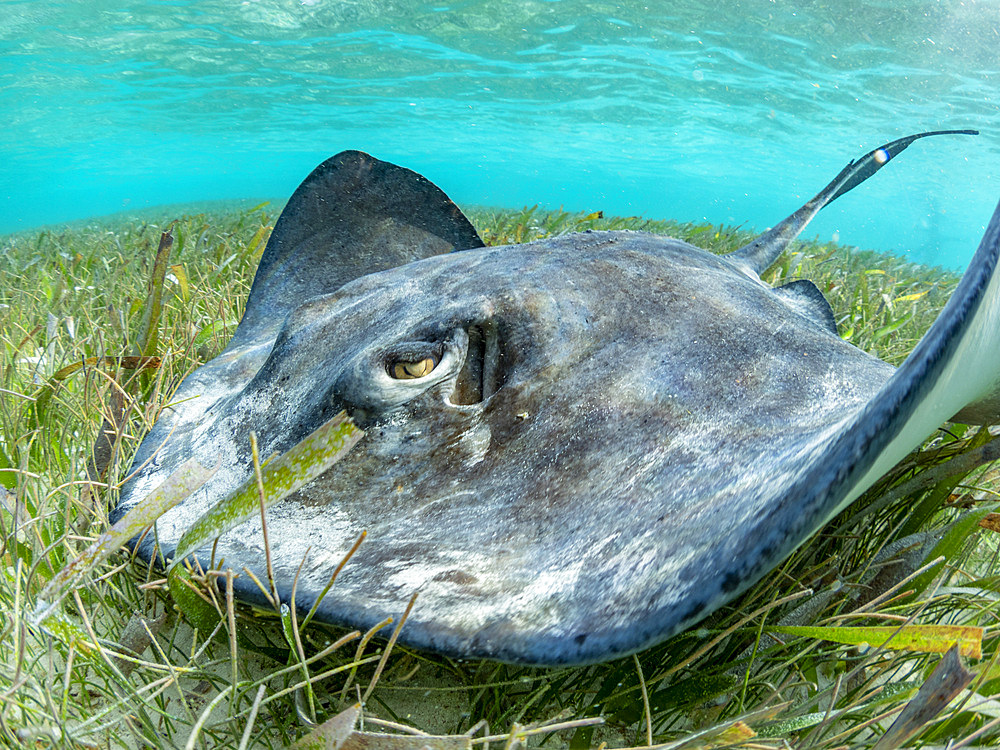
(759, 254)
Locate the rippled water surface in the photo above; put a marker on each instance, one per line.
(732, 112)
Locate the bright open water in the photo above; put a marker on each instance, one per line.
(732, 112)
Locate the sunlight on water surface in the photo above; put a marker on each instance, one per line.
(731, 112)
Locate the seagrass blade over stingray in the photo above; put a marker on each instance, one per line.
(574, 448)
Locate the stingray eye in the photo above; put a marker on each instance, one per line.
(415, 369)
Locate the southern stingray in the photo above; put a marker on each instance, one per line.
(573, 448)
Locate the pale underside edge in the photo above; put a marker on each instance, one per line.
(967, 370)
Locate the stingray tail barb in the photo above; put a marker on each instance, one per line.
(758, 255)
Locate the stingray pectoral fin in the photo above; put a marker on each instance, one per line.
(954, 372)
(758, 255)
(955, 367)
(353, 215)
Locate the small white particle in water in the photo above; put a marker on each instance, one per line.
(698, 75)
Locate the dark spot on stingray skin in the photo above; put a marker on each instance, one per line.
(731, 582)
(457, 576)
(696, 609)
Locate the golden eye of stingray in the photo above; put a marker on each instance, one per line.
(411, 370)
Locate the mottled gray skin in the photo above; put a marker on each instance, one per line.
(622, 432)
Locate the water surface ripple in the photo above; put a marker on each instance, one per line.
(730, 112)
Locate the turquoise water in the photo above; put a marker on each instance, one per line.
(732, 112)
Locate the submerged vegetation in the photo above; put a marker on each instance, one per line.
(100, 323)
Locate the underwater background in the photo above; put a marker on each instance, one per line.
(732, 112)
